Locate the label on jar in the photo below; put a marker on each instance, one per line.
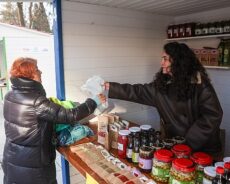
(135, 157)
(129, 153)
(120, 146)
(174, 181)
(145, 163)
(163, 173)
(206, 181)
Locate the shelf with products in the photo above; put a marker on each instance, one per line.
(220, 36)
(208, 59)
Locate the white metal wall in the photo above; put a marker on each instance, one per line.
(220, 78)
(119, 45)
(22, 42)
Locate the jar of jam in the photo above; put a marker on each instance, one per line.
(168, 143)
(170, 31)
(182, 171)
(181, 151)
(122, 143)
(178, 140)
(209, 174)
(227, 171)
(145, 159)
(161, 165)
(201, 161)
(145, 128)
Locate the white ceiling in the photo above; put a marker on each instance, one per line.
(162, 7)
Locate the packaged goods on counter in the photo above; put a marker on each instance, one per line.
(162, 162)
(145, 159)
(209, 174)
(181, 150)
(201, 160)
(182, 171)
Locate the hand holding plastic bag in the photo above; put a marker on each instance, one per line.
(93, 87)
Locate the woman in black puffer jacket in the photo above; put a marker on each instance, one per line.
(29, 155)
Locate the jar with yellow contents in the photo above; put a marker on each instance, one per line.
(161, 165)
(182, 172)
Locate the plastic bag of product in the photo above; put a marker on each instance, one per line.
(93, 87)
(67, 134)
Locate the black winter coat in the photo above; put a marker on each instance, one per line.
(197, 119)
(30, 117)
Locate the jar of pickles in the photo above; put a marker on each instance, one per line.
(201, 160)
(181, 151)
(182, 171)
(209, 174)
(145, 159)
(161, 165)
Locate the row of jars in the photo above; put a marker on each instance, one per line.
(198, 29)
(130, 141)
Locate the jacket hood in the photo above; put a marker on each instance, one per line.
(21, 83)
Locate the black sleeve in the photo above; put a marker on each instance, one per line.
(209, 119)
(139, 93)
(49, 111)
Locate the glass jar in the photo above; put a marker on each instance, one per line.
(129, 150)
(134, 131)
(227, 171)
(226, 159)
(212, 28)
(209, 174)
(178, 140)
(122, 143)
(181, 151)
(170, 31)
(182, 30)
(136, 147)
(201, 160)
(161, 165)
(145, 159)
(226, 27)
(156, 146)
(182, 171)
(168, 143)
(198, 29)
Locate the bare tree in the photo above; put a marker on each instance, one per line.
(20, 14)
(30, 15)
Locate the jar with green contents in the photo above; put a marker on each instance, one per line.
(161, 165)
(182, 171)
(201, 161)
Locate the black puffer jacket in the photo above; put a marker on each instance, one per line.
(197, 119)
(29, 127)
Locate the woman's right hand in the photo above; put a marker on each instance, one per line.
(106, 84)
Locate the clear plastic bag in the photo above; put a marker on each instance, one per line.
(93, 87)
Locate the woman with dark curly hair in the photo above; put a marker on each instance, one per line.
(184, 97)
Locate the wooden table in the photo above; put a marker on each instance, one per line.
(82, 167)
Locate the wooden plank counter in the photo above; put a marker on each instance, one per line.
(81, 166)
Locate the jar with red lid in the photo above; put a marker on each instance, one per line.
(227, 171)
(122, 143)
(181, 150)
(201, 161)
(161, 165)
(182, 171)
(145, 159)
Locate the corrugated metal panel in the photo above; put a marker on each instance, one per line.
(162, 7)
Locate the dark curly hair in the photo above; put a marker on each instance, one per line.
(184, 68)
